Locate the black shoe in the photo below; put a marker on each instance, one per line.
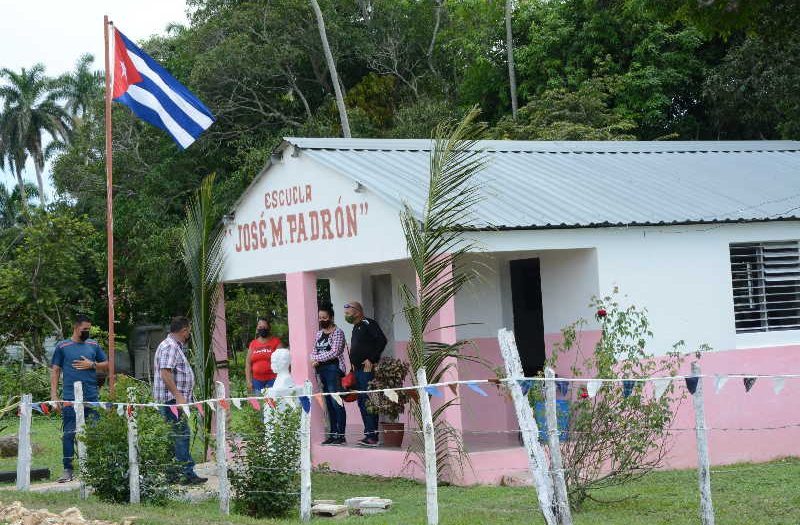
(67, 476)
(329, 441)
(193, 480)
(339, 442)
(367, 442)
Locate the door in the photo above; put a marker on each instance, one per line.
(526, 298)
(382, 308)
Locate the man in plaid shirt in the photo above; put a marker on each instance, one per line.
(174, 383)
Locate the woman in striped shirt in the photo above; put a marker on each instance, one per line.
(329, 361)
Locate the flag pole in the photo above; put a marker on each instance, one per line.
(109, 212)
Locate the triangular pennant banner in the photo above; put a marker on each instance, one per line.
(336, 397)
(525, 385)
(392, 395)
(130, 410)
(270, 402)
(305, 402)
(432, 390)
(223, 403)
(627, 387)
(254, 403)
(237, 402)
(562, 387)
(320, 400)
(691, 384)
(454, 388)
(67, 403)
(186, 410)
(413, 394)
(174, 410)
(199, 407)
(749, 382)
(777, 384)
(719, 382)
(45, 409)
(593, 386)
(37, 407)
(212, 405)
(120, 410)
(477, 389)
(660, 386)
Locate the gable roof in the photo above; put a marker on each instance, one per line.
(532, 184)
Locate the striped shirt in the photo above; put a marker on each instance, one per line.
(171, 355)
(333, 350)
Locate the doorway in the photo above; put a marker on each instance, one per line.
(382, 303)
(526, 299)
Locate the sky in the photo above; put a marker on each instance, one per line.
(57, 32)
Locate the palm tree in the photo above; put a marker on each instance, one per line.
(80, 87)
(437, 250)
(30, 109)
(12, 206)
(337, 87)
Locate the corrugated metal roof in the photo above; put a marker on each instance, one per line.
(580, 184)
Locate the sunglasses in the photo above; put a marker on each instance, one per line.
(354, 307)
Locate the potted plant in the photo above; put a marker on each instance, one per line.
(389, 373)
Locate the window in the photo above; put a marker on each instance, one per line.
(766, 286)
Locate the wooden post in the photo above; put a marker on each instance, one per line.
(222, 452)
(24, 450)
(703, 468)
(431, 485)
(537, 462)
(80, 425)
(305, 458)
(133, 450)
(560, 494)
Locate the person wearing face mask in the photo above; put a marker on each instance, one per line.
(258, 365)
(78, 359)
(329, 363)
(366, 345)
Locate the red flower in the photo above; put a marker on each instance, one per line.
(601, 312)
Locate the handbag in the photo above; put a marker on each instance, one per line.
(349, 382)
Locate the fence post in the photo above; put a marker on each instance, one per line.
(80, 424)
(133, 450)
(431, 486)
(703, 469)
(537, 462)
(563, 513)
(24, 446)
(222, 451)
(305, 457)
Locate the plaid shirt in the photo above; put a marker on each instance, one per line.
(337, 348)
(170, 355)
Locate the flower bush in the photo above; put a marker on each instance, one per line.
(389, 373)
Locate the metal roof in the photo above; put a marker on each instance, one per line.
(531, 184)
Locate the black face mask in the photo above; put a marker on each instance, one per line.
(325, 324)
(263, 332)
(84, 335)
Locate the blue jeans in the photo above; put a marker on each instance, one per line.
(330, 378)
(181, 437)
(370, 420)
(68, 436)
(258, 386)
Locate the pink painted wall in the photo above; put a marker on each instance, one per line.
(220, 342)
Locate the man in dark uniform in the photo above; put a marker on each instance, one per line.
(366, 345)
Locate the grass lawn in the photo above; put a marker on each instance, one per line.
(743, 494)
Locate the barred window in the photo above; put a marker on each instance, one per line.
(766, 286)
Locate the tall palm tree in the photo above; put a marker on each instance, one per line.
(30, 109)
(80, 88)
(11, 204)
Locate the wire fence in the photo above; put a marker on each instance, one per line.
(538, 462)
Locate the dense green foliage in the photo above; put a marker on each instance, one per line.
(586, 69)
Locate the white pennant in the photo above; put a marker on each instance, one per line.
(120, 410)
(392, 395)
(237, 402)
(660, 386)
(593, 386)
(719, 382)
(212, 406)
(336, 397)
(186, 410)
(777, 384)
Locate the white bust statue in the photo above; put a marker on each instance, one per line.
(284, 384)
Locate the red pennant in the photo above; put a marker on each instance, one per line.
(67, 403)
(174, 410)
(130, 410)
(254, 403)
(45, 408)
(224, 404)
(454, 388)
(200, 409)
(270, 402)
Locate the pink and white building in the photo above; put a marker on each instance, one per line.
(703, 234)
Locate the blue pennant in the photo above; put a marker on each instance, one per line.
(562, 387)
(525, 385)
(36, 407)
(432, 390)
(305, 402)
(627, 387)
(477, 389)
(691, 384)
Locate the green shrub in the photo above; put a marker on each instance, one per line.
(16, 380)
(265, 476)
(106, 465)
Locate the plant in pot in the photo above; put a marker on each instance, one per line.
(389, 373)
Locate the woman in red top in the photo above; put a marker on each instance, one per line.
(258, 365)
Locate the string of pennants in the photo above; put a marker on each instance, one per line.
(590, 390)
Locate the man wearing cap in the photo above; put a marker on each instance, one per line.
(366, 345)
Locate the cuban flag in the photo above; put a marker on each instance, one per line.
(155, 96)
